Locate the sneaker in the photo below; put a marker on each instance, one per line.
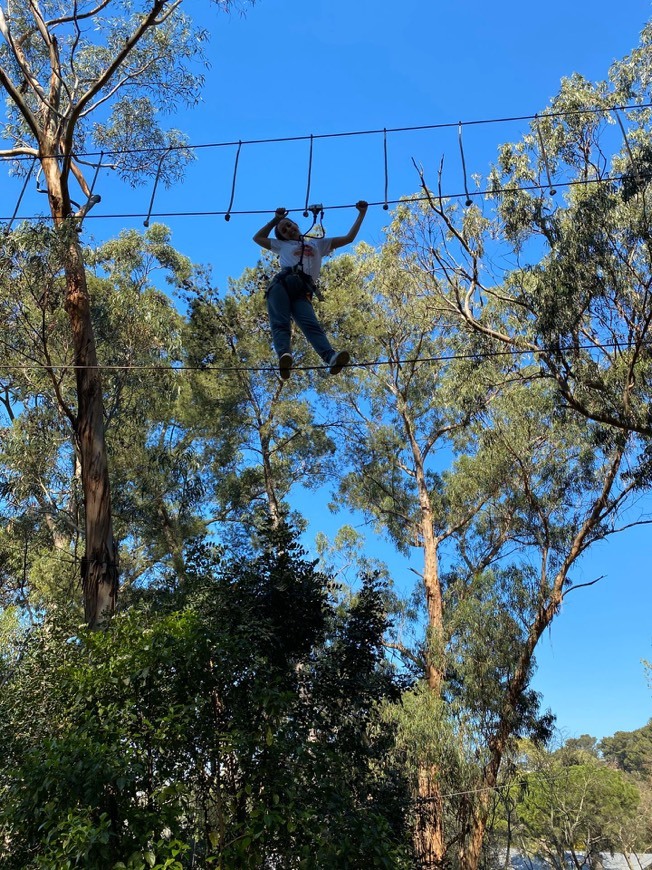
(284, 365)
(338, 361)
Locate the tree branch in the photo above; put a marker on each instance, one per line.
(21, 60)
(150, 20)
(22, 107)
(77, 16)
(582, 586)
(406, 653)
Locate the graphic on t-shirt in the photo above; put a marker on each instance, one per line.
(307, 251)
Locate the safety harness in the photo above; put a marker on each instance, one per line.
(296, 282)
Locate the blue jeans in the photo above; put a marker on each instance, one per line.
(283, 306)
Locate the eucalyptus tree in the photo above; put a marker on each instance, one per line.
(399, 415)
(558, 340)
(153, 468)
(576, 291)
(463, 453)
(81, 79)
(580, 809)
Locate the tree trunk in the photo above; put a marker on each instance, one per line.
(429, 835)
(99, 569)
(471, 851)
(99, 566)
(270, 487)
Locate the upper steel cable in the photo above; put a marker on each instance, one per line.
(382, 130)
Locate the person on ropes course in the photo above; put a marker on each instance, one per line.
(290, 292)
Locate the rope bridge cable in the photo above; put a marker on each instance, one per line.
(227, 215)
(520, 777)
(486, 192)
(156, 180)
(178, 369)
(544, 155)
(385, 201)
(162, 151)
(305, 211)
(604, 110)
(468, 201)
(20, 197)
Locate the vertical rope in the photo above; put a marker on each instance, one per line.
(97, 170)
(305, 211)
(227, 216)
(385, 205)
(158, 174)
(92, 200)
(544, 156)
(469, 201)
(22, 193)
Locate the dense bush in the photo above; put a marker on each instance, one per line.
(230, 721)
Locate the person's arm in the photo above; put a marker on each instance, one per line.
(340, 241)
(262, 236)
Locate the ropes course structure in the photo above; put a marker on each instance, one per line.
(159, 153)
(411, 361)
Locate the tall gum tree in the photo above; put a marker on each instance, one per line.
(574, 306)
(467, 457)
(153, 468)
(81, 79)
(397, 420)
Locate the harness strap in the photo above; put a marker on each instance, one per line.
(306, 280)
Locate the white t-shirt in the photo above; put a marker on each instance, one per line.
(289, 253)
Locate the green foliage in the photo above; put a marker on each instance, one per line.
(155, 475)
(104, 105)
(235, 718)
(433, 743)
(487, 635)
(258, 435)
(578, 299)
(630, 751)
(585, 807)
(578, 750)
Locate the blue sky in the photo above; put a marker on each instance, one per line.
(291, 68)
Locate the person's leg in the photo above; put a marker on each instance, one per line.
(279, 311)
(306, 319)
